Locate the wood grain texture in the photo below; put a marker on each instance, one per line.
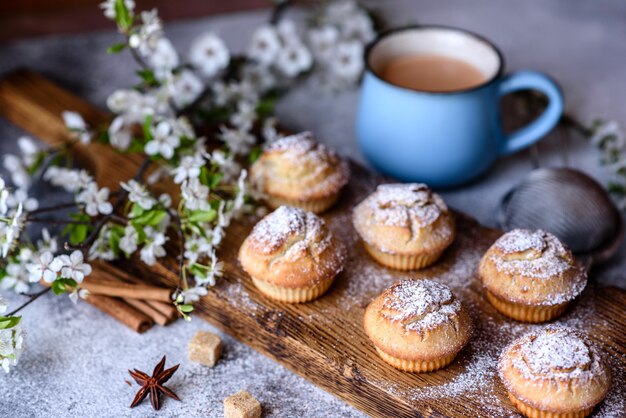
(324, 340)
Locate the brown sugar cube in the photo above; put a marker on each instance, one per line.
(205, 348)
(242, 405)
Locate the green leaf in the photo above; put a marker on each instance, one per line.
(208, 215)
(255, 153)
(215, 179)
(185, 308)
(78, 233)
(9, 321)
(39, 158)
(122, 15)
(115, 235)
(60, 286)
(116, 48)
(149, 218)
(147, 128)
(135, 211)
(148, 77)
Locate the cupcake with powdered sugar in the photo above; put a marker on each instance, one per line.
(417, 325)
(404, 226)
(554, 373)
(530, 275)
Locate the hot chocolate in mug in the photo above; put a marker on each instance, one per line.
(444, 137)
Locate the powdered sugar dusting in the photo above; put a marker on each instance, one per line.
(401, 204)
(559, 353)
(532, 253)
(420, 304)
(289, 223)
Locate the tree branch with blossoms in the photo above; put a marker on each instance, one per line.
(200, 118)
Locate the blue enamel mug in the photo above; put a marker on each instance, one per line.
(446, 138)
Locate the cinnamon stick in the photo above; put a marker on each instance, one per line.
(98, 284)
(166, 309)
(148, 310)
(122, 311)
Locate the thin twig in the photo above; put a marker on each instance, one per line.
(55, 208)
(53, 221)
(31, 300)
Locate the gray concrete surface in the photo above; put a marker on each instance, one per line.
(77, 358)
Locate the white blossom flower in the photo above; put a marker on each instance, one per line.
(288, 31)
(293, 59)
(10, 232)
(47, 243)
(96, 201)
(71, 180)
(46, 267)
(20, 196)
(163, 58)
(195, 195)
(4, 196)
(28, 149)
(348, 60)
(193, 294)
(322, 41)
(195, 247)
(74, 267)
(127, 100)
(11, 346)
(149, 32)
(228, 166)
(75, 123)
(269, 131)
(138, 193)
(153, 247)
(108, 7)
(101, 248)
(17, 276)
(358, 26)
(259, 78)
(186, 88)
(338, 11)
(128, 243)
(120, 133)
(188, 168)
(78, 293)
(264, 45)
(238, 141)
(241, 191)
(17, 170)
(164, 141)
(245, 115)
(209, 54)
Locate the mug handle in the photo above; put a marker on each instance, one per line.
(532, 80)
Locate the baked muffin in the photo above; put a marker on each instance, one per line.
(291, 255)
(554, 373)
(298, 171)
(530, 276)
(404, 226)
(417, 325)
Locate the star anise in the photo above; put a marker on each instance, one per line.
(153, 384)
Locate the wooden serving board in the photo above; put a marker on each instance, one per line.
(324, 340)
